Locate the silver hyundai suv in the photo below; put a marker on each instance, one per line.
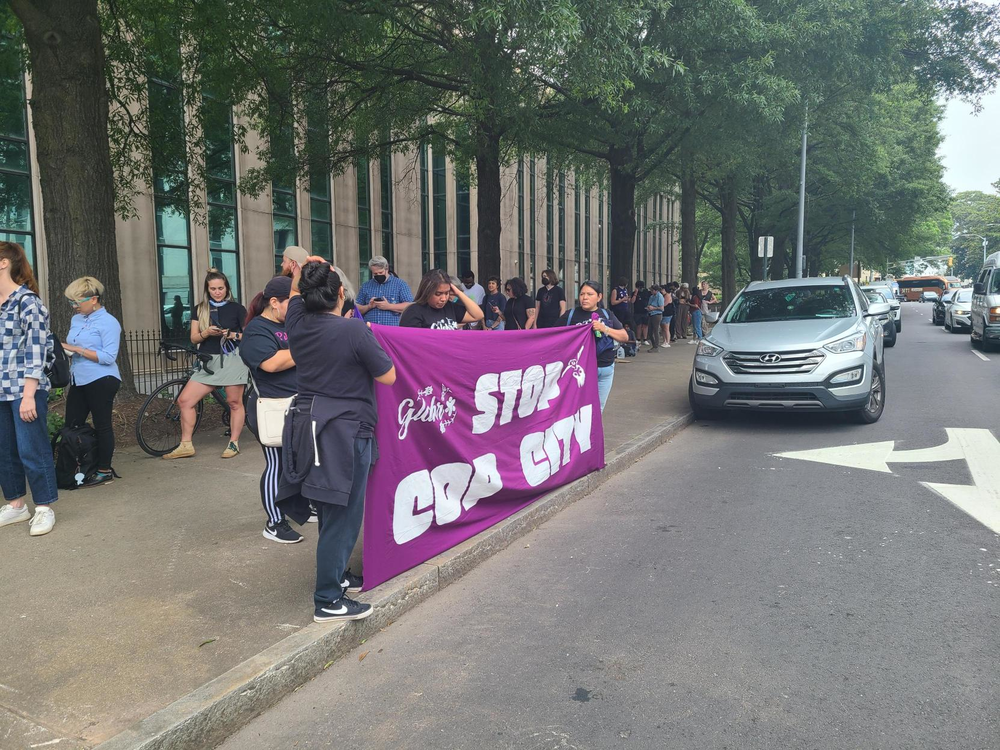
(794, 345)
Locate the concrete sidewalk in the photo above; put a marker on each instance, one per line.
(159, 589)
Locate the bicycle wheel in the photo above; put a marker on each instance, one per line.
(158, 426)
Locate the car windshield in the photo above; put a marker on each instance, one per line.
(875, 298)
(792, 303)
(963, 296)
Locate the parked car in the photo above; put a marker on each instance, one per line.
(794, 345)
(883, 296)
(958, 316)
(926, 296)
(984, 322)
(940, 306)
(890, 297)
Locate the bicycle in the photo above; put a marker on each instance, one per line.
(158, 425)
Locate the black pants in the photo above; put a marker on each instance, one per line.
(654, 330)
(96, 399)
(339, 526)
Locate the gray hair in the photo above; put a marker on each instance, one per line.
(349, 292)
(378, 261)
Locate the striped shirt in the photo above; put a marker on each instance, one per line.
(395, 291)
(26, 343)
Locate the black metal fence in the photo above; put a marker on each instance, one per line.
(149, 365)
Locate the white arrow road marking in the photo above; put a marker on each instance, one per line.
(979, 448)
(981, 355)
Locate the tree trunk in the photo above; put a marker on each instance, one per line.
(689, 240)
(69, 104)
(488, 193)
(730, 215)
(623, 226)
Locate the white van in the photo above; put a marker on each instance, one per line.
(985, 324)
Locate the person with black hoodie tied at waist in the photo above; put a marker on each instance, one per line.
(329, 437)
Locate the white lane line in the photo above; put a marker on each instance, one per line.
(980, 355)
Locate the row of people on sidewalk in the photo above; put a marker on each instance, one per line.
(662, 312)
(303, 338)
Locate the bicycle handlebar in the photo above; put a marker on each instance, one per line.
(166, 348)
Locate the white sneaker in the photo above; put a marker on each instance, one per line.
(43, 520)
(9, 514)
(665, 346)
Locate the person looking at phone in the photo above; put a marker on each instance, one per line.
(216, 329)
(433, 308)
(384, 297)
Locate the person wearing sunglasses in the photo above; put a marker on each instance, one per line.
(93, 340)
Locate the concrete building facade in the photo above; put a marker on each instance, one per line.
(415, 208)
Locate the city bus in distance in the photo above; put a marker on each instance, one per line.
(913, 287)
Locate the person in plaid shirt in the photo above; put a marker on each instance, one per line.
(383, 298)
(24, 391)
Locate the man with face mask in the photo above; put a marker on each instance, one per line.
(383, 298)
(476, 293)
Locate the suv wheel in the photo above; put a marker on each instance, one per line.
(876, 398)
(700, 412)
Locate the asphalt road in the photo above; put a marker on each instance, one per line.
(713, 596)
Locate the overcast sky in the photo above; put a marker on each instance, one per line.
(971, 148)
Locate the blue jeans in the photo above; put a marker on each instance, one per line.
(696, 322)
(25, 450)
(605, 377)
(339, 526)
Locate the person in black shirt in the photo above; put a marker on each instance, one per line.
(493, 305)
(329, 442)
(264, 349)
(607, 330)
(433, 308)
(518, 312)
(550, 301)
(216, 328)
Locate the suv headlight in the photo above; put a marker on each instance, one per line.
(708, 349)
(853, 343)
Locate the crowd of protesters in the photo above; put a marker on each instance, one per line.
(306, 350)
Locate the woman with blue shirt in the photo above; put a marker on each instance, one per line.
(93, 339)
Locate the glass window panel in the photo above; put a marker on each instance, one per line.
(319, 185)
(24, 240)
(11, 96)
(284, 203)
(15, 202)
(319, 209)
(322, 239)
(221, 228)
(171, 225)
(221, 192)
(229, 264)
(14, 156)
(284, 232)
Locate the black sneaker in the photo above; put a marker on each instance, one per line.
(352, 582)
(282, 533)
(342, 609)
(99, 477)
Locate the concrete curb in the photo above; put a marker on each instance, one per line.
(207, 716)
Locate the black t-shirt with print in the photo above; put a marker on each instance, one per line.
(582, 317)
(448, 318)
(231, 315)
(515, 313)
(262, 339)
(548, 300)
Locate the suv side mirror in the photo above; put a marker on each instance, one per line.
(878, 308)
(979, 288)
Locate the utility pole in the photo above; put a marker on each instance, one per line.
(802, 198)
(854, 215)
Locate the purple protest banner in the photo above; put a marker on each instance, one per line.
(477, 426)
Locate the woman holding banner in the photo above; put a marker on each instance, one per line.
(607, 330)
(328, 442)
(433, 308)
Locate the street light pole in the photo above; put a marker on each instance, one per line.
(854, 215)
(802, 198)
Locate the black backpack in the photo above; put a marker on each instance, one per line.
(57, 368)
(75, 451)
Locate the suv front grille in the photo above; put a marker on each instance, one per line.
(790, 363)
